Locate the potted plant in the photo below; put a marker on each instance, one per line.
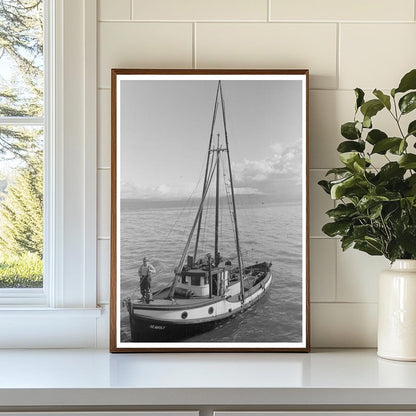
(376, 206)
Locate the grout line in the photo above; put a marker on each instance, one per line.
(194, 63)
(269, 10)
(311, 22)
(344, 303)
(319, 169)
(131, 9)
(414, 10)
(104, 168)
(323, 237)
(103, 238)
(338, 63)
(336, 271)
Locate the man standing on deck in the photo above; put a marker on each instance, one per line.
(145, 274)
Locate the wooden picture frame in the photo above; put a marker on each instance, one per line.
(222, 280)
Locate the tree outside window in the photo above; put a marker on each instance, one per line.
(21, 143)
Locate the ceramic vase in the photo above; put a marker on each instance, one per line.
(397, 312)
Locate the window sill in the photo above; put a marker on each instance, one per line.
(330, 379)
(36, 312)
(40, 327)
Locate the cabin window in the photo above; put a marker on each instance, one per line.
(195, 281)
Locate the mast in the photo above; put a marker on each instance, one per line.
(178, 269)
(237, 240)
(214, 116)
(217, 201)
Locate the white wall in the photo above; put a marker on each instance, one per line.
(344, 43)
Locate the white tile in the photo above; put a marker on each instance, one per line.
(319, 203)
(326, 114)
(376, 55)
(357, 275)
(343, 325)
(271, 45)
(143, 45)
(104, 129)
(114, 10)
(103, 271)
(340, 10)
(200, 10)
(104, 202)
(323, 269)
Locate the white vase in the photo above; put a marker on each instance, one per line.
(397, 312)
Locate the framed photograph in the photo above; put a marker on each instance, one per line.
(209, 210)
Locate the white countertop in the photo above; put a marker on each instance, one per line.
(96, 377)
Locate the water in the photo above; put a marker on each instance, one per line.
(268, 232)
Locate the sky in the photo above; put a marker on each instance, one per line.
(165, 128)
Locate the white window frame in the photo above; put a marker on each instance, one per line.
(28, 317)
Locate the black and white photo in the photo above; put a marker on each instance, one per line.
(209, 211)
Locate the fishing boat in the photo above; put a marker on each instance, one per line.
(205, 289)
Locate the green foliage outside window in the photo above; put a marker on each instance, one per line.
(21, 147)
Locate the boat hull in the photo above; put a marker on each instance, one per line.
(150, 323)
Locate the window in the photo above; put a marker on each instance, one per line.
(63, 313)
(21, 143)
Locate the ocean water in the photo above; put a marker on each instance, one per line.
(268, 232)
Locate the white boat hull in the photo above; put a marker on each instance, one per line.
(172, 320)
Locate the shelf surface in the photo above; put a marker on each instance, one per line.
(96, 377)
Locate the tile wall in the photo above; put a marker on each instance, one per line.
(345, 44)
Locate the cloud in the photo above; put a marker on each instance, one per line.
(281, 169)
(163, 191)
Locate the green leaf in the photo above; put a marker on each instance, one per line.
(367, 122)
(346, 242)
(368, 201)
(336, 228)
(393, 92)
(393, 250)
(375, 211)
(361, 231)
(349, 158)
(349, 146)
(375, 136)
(383, 145)
(371, 108)
(398, 149)
(407, 239)
(368, 248)
(338, 189)
(408, 82)
(325, 186)
(349, 131)
(385, 99)
(411, 130)
(342, 211)
(408, 161)
(338, 171)
(408, 102)
(359, 165)
(391, 170)
(359, 95)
